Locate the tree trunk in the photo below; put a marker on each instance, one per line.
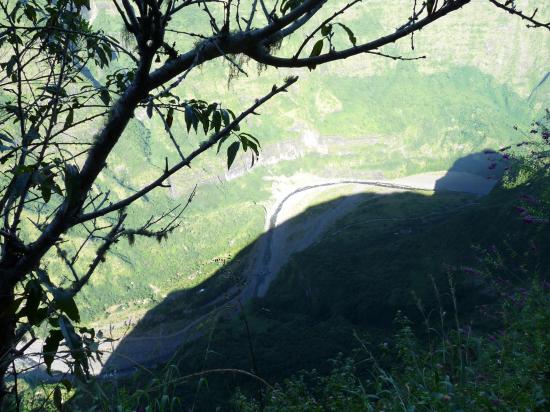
(7, 337)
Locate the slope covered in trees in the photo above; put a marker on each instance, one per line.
(106, 125)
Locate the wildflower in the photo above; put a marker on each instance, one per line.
(521, 210)
(533, 219)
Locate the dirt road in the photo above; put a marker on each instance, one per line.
(270, 253)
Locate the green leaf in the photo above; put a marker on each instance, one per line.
(103, 59)
(170, 117)
(351, 36)
(66, 304)
(31, 135)
(225, 117)
(33, 293)
(58, 398)
(40, 315)
(430, 6)
(195, 119)
(317, 48)
(10, 108)
(84, 329)
(67, 384)
(189, 117)
(4, 148)
(30, 12)
(237, 127)
(55, 90)
(254, 147)
(9, 65)
(164, 402)
(69, 119)
(216, 121)
(53, 321)
(46, 191)
(204, 120)
(325, 30)
(211, 108)
(51, 344)
(232, 114)
(232, 153)
(74, 342)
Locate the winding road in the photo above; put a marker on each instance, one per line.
(270, 253)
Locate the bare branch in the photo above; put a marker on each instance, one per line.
(510, 7)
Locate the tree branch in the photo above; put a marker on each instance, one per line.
(261, 55)
(512, 10)
(204, 146)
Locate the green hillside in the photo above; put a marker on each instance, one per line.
(386, 121)
(213, 317)
(384, 257)
(366, 117)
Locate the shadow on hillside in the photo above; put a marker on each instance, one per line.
(378, 263)
(476, 173)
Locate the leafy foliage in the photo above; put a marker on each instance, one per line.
(455, 370)
(69, 93)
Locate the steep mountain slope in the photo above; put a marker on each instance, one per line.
(365, 118)
(383, 256)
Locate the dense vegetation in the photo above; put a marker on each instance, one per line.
(445, 370)
(399, 150)
(442, 317)
(414, 300)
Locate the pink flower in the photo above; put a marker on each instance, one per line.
(521, 210)
(533, 219)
